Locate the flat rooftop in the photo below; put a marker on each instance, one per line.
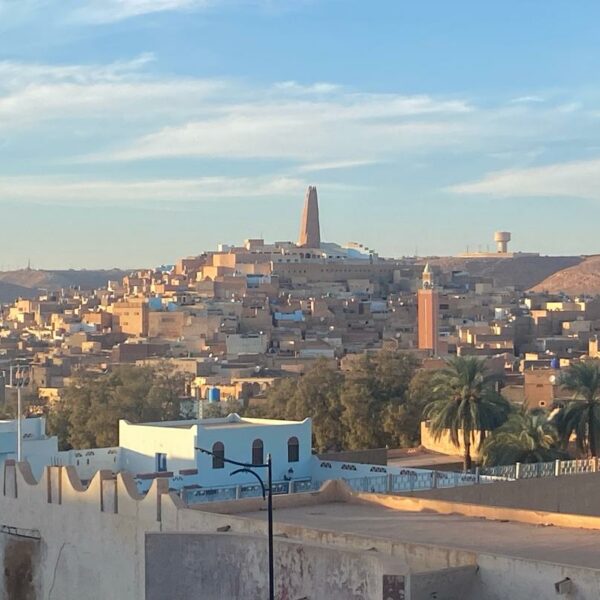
(566, 546)
(232, 420)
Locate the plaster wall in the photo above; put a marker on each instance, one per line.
(571, 494)
(238, 446)
(81, 550)
(209, 566)
(140, 443)
(91, 543)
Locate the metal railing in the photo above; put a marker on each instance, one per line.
(547, 469)
(407, 481)
(198, 495)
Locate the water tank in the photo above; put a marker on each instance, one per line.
(555, 363)
(214, 394)
(502, 238)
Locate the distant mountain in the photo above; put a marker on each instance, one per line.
(523, 272)
(53, 280)
(583, 278)
(10, 292)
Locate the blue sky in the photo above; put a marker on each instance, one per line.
(133, 132)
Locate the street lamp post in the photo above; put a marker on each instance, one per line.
(19, 378)
(267, 492)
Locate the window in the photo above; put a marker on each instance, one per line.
(293, 450)
(257, 452)
(160, 462)
(218, 455)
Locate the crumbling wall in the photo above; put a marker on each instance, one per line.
(225, 566)
(20, 559)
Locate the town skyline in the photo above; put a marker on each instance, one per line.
(192, 123)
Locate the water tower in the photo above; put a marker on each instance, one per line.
(502, 238)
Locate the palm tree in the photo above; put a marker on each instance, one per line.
(581, 416)
(468, 404)
(526, 437)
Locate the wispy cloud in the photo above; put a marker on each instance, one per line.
(527, 100)
(334, 165)
(59, 190)
(580, 179)
(109, 11)
(34, 93)
(343, 127)
(125, 112)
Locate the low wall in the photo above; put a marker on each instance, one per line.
(444, 444)
(331, 491)
(303, 570)
(570, 494)
(62, 541)
(493, 513)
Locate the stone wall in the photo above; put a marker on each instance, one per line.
(569, 494)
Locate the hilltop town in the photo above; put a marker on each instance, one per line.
(348, 392)
(238, 318)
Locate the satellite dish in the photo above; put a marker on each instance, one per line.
(552, 379)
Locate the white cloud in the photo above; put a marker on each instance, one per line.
(321, 87)
(343, 127)
(122, 111)
(333, 165)
(527, 100)
(33, 93)
(57, 190)
(580, 179)
(109, 11)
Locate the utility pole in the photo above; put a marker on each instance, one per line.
(267, 494)
(19, 378)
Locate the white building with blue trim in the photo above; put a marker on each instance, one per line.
(173, 450)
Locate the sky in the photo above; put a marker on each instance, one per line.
(134, 132)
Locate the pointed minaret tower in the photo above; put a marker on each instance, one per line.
(310, 230)
(427, 278)
(428, 306)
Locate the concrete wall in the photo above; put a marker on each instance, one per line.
(444, 445)
(60, 541)
(571, 494)
(209, 566)
(80, 548)
(140, 443)
(238, 440)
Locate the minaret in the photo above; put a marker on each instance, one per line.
(310, 230)
(428, 305)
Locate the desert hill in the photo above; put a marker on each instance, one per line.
(523, 272)
(9, 292)
(583, 278)
(54, 280)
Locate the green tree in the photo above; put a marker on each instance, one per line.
(361, 406)
(581, 416)
(88, 413)
(316, 395)
(279, 397)
(526, 437)
(421, 392)
(468, 405)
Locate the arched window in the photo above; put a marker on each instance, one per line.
(293, 449)
(218, 455)
(257, 452)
